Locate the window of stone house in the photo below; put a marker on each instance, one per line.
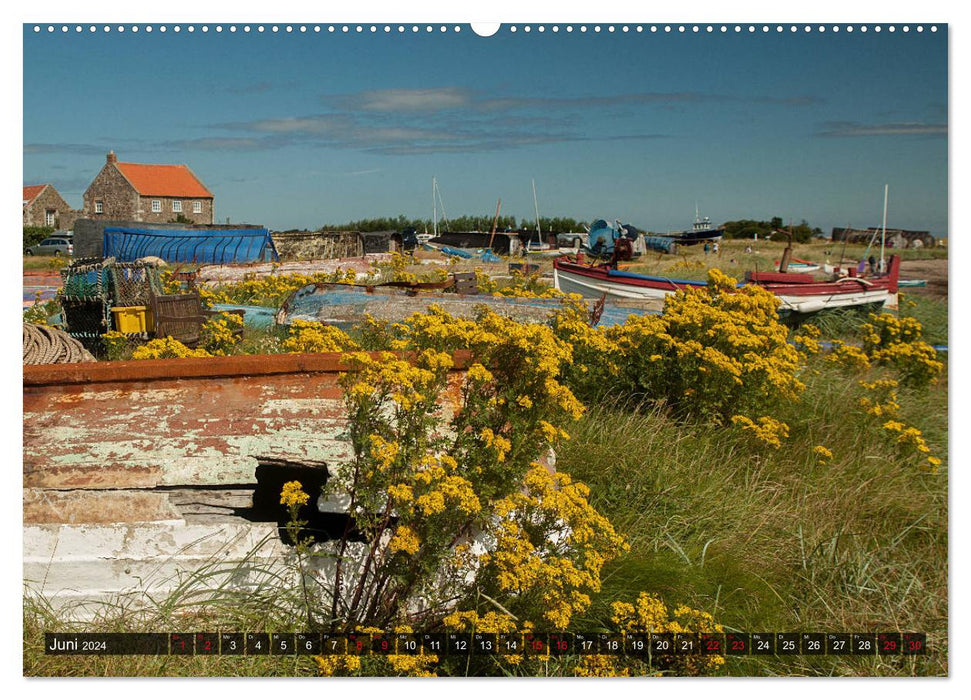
(50, 216)
(99, 207)
(156, 205)
(176, 205)
(197, 207)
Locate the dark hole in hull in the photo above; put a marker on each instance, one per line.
(320, 527)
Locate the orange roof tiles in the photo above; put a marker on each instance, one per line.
(31, 191)
(163, 180)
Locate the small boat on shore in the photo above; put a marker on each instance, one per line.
(803, 266)
(701, 232)
(797, 292)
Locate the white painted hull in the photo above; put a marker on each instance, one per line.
(595, 288)
(818, 302)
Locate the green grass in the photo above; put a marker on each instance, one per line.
(766, 540)
(53, 263)
(202, 602)
(736, 257)
(932, 314)
(769, 540)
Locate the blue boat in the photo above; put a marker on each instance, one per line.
(604, 238)
(345, 305)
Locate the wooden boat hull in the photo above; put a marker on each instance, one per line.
(346, 305)
(797, 293)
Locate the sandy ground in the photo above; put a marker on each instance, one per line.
(934, 271)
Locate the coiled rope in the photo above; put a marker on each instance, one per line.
(44, 345)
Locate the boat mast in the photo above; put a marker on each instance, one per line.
(434, 208)
(883, 235)
(539, 232)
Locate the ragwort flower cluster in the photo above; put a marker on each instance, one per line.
(713, 352)
(897, 342)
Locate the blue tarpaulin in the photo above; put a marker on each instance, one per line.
(241, 245)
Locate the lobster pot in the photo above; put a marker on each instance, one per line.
(86, 320)
(133, 284)
(178, 316)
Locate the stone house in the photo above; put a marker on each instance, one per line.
(146, 192)
(44, 206)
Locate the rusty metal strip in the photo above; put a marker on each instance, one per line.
(198, 367)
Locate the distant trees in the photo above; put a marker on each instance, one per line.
(747, 228)
(557, 224)
(743, 228)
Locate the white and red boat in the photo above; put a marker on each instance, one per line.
(797, 292)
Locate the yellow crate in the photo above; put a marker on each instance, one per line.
(133, 319)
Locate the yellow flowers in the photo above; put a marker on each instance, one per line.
(162, 348)
(338, 664)
(115, 345)
(649, 614)
(896, 342)
(405, 540)
(911, 443)
(823, 454)
(712, 352)
(884, 404)
(520, 285)
(601, 666)
(221, 333)
(269, 290)
(520, 566)
(383, 452)
(293, 495)
(479, 374)
(499, 445)
(170, 283)
(470, 621)
(766, 429)
(413, 665)
(907, 436)
(848, 356)
(308, 336)
(807, 339)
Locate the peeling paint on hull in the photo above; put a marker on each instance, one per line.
(137, 474)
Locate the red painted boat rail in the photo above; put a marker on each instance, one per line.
(198, 368)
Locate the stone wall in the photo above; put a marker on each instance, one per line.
(168, 213)
(381, 241)
(118, 198)
(318, 245)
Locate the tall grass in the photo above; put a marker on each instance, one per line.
(205, 600)
(770, 540)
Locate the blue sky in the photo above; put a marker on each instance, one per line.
(295, 130)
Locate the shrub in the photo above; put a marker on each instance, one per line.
(444, 483)
(116, 345)
(164, 348)
(713, 352)
(309, 336)
(896, 342)
(35, 234)
(221, 333)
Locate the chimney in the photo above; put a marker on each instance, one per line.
(112, 158)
